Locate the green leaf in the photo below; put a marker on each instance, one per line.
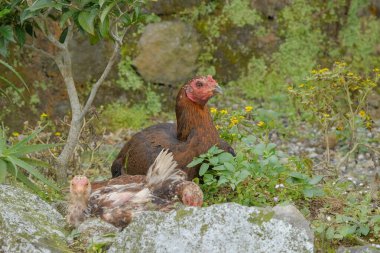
(66, 16)
(225, 157)
(346, 230)
(313, 192)
(214, 160)
(222, 180)
(22, 178)
(23, 150)
(63, 35)
(20, 35)
(41, 4)
(27, 139)
(106, 10)
(330, 233)
(104, 28)
(220, 167)
(14, 87)
(4, 12)
(86, 21)
(229, 166)
(195, 162)
(3, 171)
(14, 72)
(35, 162)
(31, 169)
(6, 32)
(203, 169)
(101, 2)
(315, 180)
(259, 149)
(363, 229)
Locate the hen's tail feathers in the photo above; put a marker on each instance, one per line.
(118, 165)
(163, 170)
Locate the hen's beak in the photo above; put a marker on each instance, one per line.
(217, 89)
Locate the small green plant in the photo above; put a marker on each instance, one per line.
(14, 161)
(118, 115)
(336, 98)
(256, 176)
(355, 218)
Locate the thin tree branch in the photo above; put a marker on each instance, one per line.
(105, 73)
(40, 51)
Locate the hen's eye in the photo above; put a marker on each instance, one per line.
(199, 84)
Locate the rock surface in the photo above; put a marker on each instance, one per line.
(359, 249)
(28, 224)
(96, 231)
(167, 52)
(220, 228)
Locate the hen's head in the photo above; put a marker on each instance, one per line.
(80, 187)
(201, 89)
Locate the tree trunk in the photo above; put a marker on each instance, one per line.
(63, 61)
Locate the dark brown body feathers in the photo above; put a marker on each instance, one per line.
(193, 135)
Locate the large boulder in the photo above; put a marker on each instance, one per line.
(28, 224)
(168, 52)
(219, 228)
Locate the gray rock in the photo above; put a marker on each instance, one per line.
(96, 231)
(167, 52)
(29, 224)
(219, 228)
(359, 249)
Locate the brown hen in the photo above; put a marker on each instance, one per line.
(117, 201)
(193, 134)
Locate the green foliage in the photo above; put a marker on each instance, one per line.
(354, 218)
(336, 97)
(99, 19)
(118, 115)
(240, 13)
(359, 39)
(129, 80)
(14, 161)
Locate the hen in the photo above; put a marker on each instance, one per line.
(118, 203)
(193, 134)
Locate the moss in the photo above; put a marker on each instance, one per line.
(260, 217)
(204, 229)
(180, 214)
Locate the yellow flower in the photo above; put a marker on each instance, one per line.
(290, 88)
(57, 134)
(248, 108)
(234, 121)
(350, 74)
(260, 123)
(362, 114)
(376, 70)
(321, 71)
(217, 127)
(43, 115)
(326, 115)
(213, 110)
(224, 111)
(339, 128)
(301, 85)
(15, 134)
(314, 72)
